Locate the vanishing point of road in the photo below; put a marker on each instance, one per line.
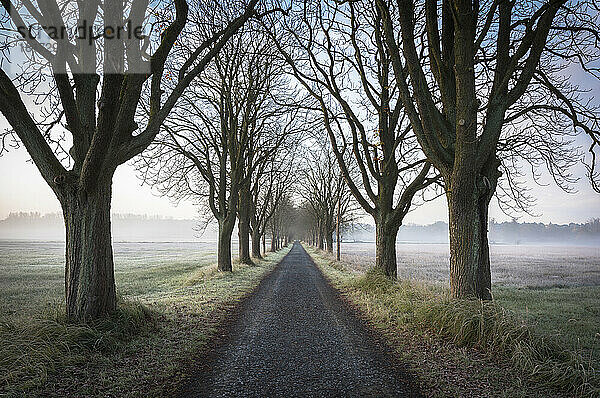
(294, 337)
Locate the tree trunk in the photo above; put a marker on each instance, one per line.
(273, 241)
(484, 275)
(224, 245)
(89, 273)
(338, 254)
(466, 186)
(320, 239)
(244, 227)
(329, 241)
(468, 206)
(264, 243)
(256, 243)
(385, 249)
(465, 240)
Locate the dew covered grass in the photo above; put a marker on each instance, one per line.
(171, 303)
(533, 341)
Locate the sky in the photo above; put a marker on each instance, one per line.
(23, 189)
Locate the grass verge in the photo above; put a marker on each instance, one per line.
(167, 315)
(466, 348)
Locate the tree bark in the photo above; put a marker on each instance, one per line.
(273, 241)
(224, 245)
(89, 273)
(256, 243)
(338, 255)
(465, 240)
(329, 242)
(468, 206)
(385, 249)
(320, 239)
(484, 275)
(244, 226)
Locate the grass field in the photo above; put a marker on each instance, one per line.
(556, 289)
(569, 314)
(512, 265)
(533, 341)
(172, 302)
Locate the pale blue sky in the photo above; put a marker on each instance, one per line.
(23, 189)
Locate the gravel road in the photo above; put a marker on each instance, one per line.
(294, 337)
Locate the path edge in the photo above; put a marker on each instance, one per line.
(383, 348)
(206, 356)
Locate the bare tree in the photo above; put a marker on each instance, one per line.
(86, 92)
(277, 124)
(224, 127)
(322, 187)
(281, 220)
(493, 71)
(336, 51)
(270, 182)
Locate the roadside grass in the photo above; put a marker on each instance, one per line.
(570, 315)
(527, 343)
(167, 314)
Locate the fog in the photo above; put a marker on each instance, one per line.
(511, 233)
(139, 228)
(125, 228)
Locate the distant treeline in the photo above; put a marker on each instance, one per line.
(36, 217)
(514, 232)
(136, 227)
(125, 227)
(510, 232)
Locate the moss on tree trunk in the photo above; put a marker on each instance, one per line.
(224, 245)
(89, 272)
(385, 249)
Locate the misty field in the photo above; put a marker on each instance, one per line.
(32, 272)
(512, 265)
(172, 300)
(554, 288)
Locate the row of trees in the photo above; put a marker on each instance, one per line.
(449, 94)
(326, 202)
(229, 143)
(82, 108)
(416, 99)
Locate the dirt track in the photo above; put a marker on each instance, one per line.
(294, 337)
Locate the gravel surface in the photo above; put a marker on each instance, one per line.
(294, 337)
